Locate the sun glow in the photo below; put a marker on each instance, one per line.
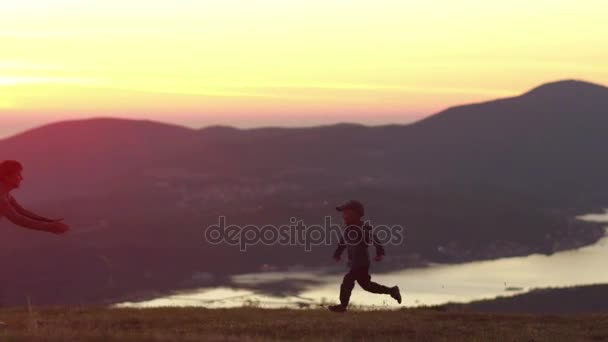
(234, 60)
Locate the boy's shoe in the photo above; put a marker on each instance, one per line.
(396, 294)
(337, 308)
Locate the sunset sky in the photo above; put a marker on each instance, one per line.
(285, 63)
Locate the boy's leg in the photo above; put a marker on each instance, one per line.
(348, 283)
(364, 280)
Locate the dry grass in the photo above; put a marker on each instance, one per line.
(253, 324)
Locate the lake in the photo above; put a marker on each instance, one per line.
(432, 285)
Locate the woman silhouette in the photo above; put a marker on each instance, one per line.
(10, 179)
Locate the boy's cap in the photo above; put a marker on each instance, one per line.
(353, 205)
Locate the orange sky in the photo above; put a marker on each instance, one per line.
(287, 63)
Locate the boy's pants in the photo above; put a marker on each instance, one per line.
(360, 275)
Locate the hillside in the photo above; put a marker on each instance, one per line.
(547, 141)
(250, 324)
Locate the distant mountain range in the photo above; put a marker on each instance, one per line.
(486, 180)
(550, 139)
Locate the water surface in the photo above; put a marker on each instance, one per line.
(436, 284)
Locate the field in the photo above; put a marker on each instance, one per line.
(254, 324)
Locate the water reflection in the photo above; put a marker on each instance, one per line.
(437, 284)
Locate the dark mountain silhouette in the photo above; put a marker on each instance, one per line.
(486, 180)
(86, 157)
(548, 140)
(566, 300)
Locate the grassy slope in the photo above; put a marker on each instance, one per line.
(251, 324)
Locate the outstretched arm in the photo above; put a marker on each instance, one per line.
(24, 221)
(24, 212)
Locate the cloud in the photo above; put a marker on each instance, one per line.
(378, 88)
(39, 34)
(14, 65)
(199, 92)
(22, 80)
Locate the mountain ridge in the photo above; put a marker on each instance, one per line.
(554, 88)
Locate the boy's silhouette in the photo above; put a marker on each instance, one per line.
(356, 238)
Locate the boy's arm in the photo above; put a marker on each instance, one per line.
(340, 249)
(379, 247)
(21, 210)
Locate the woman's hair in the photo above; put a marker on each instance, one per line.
(9, 167)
